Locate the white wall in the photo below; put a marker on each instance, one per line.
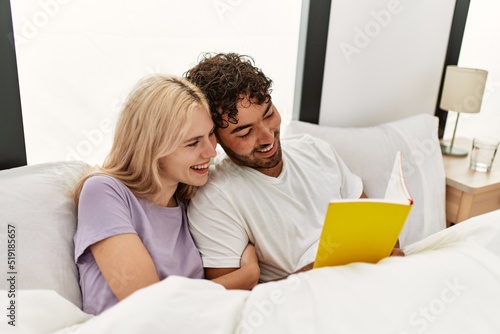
(77, 59)
(481, 49)
(384, 60)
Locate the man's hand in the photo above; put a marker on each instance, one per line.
(307, 267)
(397, 252)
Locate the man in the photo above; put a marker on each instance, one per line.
(268, 192)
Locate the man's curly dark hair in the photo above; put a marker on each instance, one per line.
(226, 79)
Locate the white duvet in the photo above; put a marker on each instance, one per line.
(447, 283)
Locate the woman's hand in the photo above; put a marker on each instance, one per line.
(245, 277)
(250, 264)
(249, 256)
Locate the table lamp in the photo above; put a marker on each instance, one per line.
(463, 91)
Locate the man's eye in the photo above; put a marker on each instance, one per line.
(246, 134)
(269, 115)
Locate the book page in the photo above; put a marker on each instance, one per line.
(397, 190)
(365, 229)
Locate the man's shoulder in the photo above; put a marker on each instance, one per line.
(298, 137)
(222, 170)
(222, 174)
(302, 139)
(306, 145)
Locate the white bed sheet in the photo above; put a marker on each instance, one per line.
(447, 283)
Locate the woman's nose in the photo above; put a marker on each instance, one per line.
(209, 148)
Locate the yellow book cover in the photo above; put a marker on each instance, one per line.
(365, 229)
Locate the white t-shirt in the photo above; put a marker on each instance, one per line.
(281, 216)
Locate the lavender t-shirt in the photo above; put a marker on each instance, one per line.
(107, 208)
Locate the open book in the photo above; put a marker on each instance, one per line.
(365, 229)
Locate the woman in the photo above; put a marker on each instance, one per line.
(132, 223)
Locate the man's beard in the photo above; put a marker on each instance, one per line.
(253, 161)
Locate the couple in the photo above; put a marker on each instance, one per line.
(259, 216)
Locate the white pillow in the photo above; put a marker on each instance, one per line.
(370, 152)
(37, 201)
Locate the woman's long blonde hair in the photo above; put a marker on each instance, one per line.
(151, 125)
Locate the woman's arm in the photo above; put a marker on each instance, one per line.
(243, 278)
(125, 264)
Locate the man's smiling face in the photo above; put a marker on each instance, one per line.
(254, 141)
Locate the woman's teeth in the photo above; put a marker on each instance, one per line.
(200, 166)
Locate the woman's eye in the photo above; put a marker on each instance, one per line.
(193, 144)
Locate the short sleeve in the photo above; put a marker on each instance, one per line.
(216, 228)
(103, 211)
(352, 185)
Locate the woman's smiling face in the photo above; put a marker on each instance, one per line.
(188, 164)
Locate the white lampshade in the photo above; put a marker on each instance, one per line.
(463, 89)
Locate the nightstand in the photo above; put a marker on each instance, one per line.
(469, 193)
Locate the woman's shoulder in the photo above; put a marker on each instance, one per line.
(102, 179)
(100, 182)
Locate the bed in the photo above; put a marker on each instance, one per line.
(449, 282)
